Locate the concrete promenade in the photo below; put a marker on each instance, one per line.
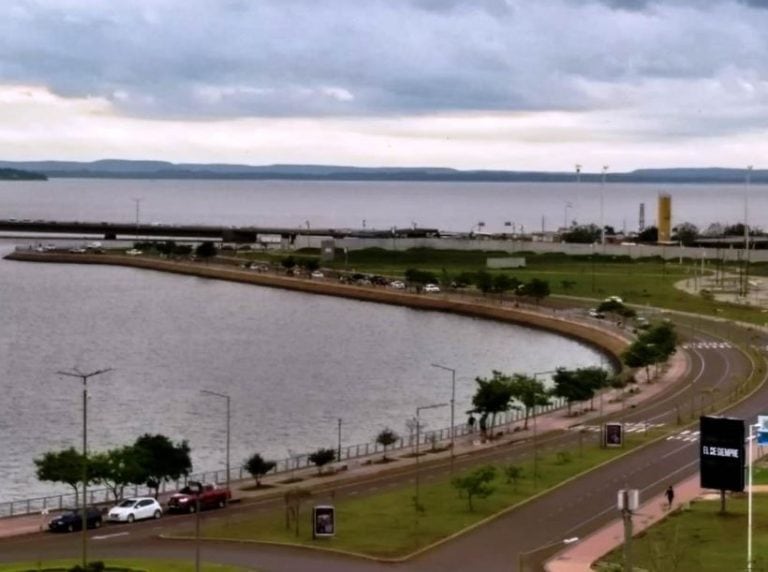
(578, 558)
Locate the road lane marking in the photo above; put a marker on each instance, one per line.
(113, 535)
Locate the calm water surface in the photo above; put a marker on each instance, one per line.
(293, 363)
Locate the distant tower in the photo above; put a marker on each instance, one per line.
(641, 222)
(664, 220)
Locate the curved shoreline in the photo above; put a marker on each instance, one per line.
(603, 340)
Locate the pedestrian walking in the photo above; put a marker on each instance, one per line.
(670, 494)
(471, 423)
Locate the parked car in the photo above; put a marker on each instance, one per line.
(210, 496)
(72, 520)
(397, 284)
(431, 288)
(133, 252)
(135, 509)
(317, 274)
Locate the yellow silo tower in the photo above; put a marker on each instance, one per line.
(664, 220)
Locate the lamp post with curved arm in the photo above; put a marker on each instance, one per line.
(453, 407)
(84, 377)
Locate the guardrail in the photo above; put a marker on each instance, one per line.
(283, 466)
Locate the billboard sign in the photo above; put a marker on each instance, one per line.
(323, 521)
(762, 429)
(722, 453)
(613, 435)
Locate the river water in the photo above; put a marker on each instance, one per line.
(293, 363)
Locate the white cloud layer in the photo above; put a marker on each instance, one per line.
(483, 83)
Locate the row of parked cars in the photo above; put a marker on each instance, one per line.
(130, 510)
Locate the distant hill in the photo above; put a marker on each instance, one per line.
(125, 169)
(20, 175)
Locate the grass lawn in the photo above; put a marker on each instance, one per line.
(642, 281)
(701, 539)
(388, 524)
(140, 564)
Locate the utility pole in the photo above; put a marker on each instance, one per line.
(338, 451)
(84, 504)
(453, 408)
(628, 501)
(602, 207)
(138, 202)
(225, 397)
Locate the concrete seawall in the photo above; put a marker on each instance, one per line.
(600, 338)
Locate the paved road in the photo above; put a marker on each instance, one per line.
(573, 510)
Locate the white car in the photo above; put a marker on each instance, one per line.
(317, 274)
(133, 252)
(397, 284)
(431, 288)
(135, 509)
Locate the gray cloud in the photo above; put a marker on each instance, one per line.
(203, 59)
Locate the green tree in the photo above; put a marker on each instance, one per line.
(117, 468)
(503, 283)
(648, 234)
(322, 457)
(492, 396)
(594, 377)
(385, 438)
(420, 277)
(685, 232)
(570, 386)
(641, 354)
(536, 288)
(257, 467)
(484, 281)
(162, 460)
(530, 392)
(513, 473)
(288, 262)
(582, 234)
(476, 484)
(65, 466)
(205, 250)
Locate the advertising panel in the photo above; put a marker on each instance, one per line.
(323, 521)
(613, 435)
(722, 453)
(762, 429)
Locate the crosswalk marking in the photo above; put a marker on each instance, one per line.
(628, 427)
(687, 436)
(707, 346)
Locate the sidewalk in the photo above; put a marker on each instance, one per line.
(581, 556)
(357, 469)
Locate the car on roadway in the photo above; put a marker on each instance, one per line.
(77, 250)
(595, 313)
(209, 496)
(616, 299)
(431, 288)
(317, 274)
(133, 252)
(397, 284)
(133, 509)
(72, 520)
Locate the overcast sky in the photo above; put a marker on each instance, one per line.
(511, 84)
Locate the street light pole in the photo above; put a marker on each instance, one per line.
(536, 374)
(84, 504)
(453, 409)
(418, 429)
(138, 202)
(338, 453)
(226, 397)
(602, 207)
(750, 444)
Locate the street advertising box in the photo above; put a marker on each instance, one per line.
(613, 435)
(323, 521)
(722, 453)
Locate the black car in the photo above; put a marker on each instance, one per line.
(73, 520)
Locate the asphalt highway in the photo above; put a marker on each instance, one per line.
(576, 509)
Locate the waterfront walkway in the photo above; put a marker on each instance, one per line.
(578, 558)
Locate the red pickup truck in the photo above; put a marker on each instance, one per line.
(210, 496)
